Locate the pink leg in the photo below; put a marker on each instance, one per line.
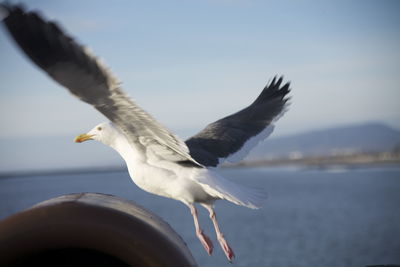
(205, 240)
(224, 245)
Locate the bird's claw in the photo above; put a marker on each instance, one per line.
(227, 249)
(206, 242)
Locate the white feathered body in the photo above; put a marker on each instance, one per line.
(162, 177)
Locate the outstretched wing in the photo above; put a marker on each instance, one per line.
(74, 67)
(232, 137)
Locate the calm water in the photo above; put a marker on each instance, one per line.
(311, 218)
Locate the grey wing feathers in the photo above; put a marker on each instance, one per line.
(74, 67)
(225, 137)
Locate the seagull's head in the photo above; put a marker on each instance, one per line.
(104, 132)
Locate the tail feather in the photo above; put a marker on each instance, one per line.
(219, 187)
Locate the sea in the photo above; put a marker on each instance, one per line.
(312, 217)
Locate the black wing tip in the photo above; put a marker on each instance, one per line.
(19, 14)
(18, 9)
(274, 89)
(42, 40)
(7, 8)
(276, 82)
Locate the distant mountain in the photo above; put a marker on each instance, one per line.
(372, 137)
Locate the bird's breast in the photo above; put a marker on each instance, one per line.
(175, 183)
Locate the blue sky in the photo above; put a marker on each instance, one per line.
(189, 63)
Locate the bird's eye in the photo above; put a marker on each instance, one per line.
(99, 128)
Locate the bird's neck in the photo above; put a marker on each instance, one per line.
(125, 149)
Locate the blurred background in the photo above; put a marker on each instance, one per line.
(331, 167)
(189, 63)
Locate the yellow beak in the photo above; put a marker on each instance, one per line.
(82, 138)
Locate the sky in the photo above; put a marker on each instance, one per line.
(189, 63)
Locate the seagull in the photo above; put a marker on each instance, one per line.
(157, 160)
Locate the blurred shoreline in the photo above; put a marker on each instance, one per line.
(359, 160)
(345, 160)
